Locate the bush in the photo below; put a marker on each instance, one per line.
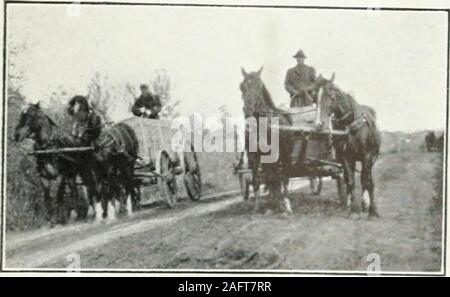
(24, 200)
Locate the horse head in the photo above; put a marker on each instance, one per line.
(32, 120)
(252, 88)
(78, 107)
(333, 101)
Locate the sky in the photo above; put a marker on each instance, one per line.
(394, 61)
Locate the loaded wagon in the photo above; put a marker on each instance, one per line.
(159, 165)
(313, 153)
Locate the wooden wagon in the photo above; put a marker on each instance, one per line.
(313, 154)
(158, 164)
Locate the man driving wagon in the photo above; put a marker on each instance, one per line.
(147, 105)
(299, 82)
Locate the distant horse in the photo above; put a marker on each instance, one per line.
(55, 170)
(440, 143)
(430, 141)
(258, 104)
(362, 143)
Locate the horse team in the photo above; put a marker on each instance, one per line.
(107, 169)
(361, 144)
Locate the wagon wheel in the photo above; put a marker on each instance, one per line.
(167, 181)
(192, 177)
(244, 182)
(342, 192)
(315, 182)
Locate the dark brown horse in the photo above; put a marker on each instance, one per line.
(115, 151)
(56, 171)
(258, 105)
(114, 154)
(362, 143)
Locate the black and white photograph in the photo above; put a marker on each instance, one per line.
(233, 137)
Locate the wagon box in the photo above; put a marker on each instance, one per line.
(157, 162)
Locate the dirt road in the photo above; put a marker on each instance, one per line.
(223, 233)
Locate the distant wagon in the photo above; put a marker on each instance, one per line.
(433, 142)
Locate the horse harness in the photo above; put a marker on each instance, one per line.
(119, 139)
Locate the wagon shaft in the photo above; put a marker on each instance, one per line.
(63, 150)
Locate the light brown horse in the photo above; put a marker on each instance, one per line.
(362, 143)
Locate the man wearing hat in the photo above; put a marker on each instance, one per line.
(299, 80)
(147, 105)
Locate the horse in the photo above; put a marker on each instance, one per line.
(362, 143)
(55, 170)
(114, 154)
(430, 141)
(258, 104)
(116, 151)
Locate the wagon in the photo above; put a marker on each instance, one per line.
(313, 153)
(157, 164)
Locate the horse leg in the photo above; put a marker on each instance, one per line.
(98, 203)
(123, 192)
(85, 199)
(256, 186)
(364, 187)
(365, 183)
(90, 182)
(105, 193)
(370, 186)
(286, 163)
(355, 205)
(287, 202)
(131, 199)
(61, 201)
(76, 198)
(46, 185)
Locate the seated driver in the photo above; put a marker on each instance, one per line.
(147, 105)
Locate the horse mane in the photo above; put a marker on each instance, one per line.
(359, 110)
(351, 101)
(269, 102)
(268, 99)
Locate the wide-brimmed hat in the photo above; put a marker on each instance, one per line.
(300, 54)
